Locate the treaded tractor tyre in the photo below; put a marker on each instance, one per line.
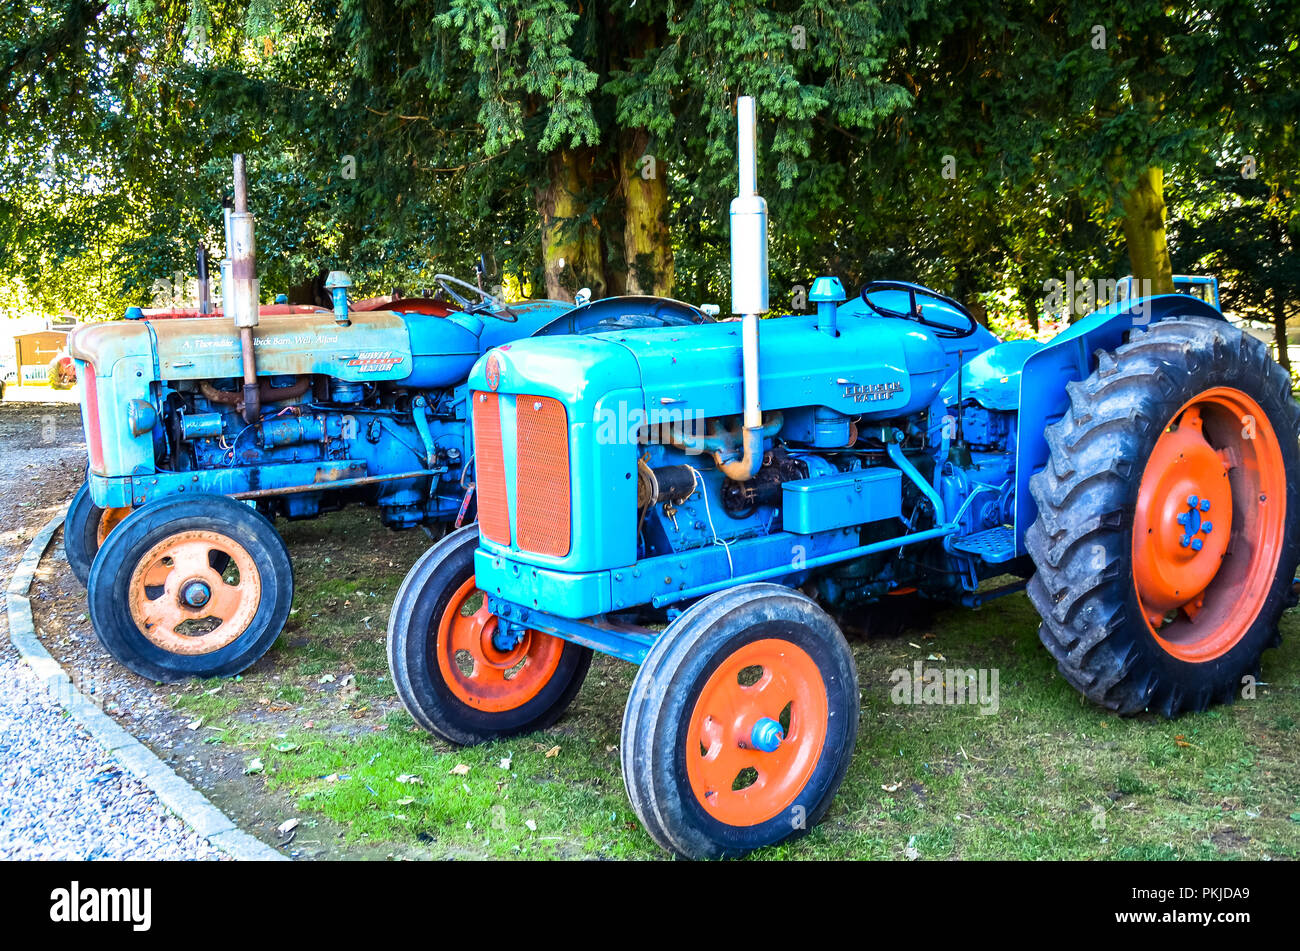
(1166, 539)
(741, 723)
(192, 586)
(84, 529)
(450, 673)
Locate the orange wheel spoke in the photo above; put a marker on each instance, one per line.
(226, 600)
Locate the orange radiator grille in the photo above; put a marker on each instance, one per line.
(493, 508)
(542, 475)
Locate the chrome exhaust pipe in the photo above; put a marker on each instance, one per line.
(243, 306)
(748, 283)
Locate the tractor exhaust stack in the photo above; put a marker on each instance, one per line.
(243, 305)
(205, 284)
(748, 283)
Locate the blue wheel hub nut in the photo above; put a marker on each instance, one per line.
(1192, 523)
(196, 594)
(766, 735)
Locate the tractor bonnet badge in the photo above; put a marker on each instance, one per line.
(871, 392)
(493, 371)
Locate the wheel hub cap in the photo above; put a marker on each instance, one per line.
(1186, 480)
(766, 735)
(196, 594)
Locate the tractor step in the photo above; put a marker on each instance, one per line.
(994, 545)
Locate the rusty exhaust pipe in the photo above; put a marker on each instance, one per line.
(244, 292)
(205, 286)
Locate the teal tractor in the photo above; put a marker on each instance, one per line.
(714, 503)
(203, 429)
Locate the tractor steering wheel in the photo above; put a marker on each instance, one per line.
(912, 290)
(488, 301)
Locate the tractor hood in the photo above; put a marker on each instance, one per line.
(874, 367)
(419, 350)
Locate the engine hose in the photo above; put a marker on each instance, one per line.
(266, 392)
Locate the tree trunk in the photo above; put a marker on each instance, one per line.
(646, 240)
(571, 238)
(1144, 229)
(1279, 328)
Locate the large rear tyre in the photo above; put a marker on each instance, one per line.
(84, 529)
(1168, 515)
(453, 673)
(193, 586)
(741, 723)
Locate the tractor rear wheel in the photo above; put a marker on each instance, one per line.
(741, 723)
(192, 586)
(84, 529)
(453, 674)
(1168, 526)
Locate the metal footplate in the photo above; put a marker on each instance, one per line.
(994, 545)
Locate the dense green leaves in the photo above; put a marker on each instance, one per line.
(984, 147)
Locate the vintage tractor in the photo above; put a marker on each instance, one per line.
(202, 429)
(1140, 470)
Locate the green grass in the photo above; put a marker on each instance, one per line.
(1049, 776)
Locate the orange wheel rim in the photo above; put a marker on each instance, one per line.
(476, 670)
(735, 781)
(1209, 525)
(183, 604)
(109, 519)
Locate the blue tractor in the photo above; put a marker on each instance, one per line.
(202, 429)
(715, 510)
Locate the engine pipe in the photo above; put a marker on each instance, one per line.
(243, 280)
(748, 284)
(266, 392)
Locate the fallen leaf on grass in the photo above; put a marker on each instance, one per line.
(285, 747)
(460, 769)
(348, 686)
(553, 751)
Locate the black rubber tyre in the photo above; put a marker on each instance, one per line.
(657, 718)
(81, 533)
(1087, 495)
(422, 602)
(246, 539)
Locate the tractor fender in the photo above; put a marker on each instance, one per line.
(1068, 357)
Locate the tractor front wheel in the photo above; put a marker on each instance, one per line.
(741, 723)
(456, 672)
(193, 586)
(84, 529)
(1168, 527)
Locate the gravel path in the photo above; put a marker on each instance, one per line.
(61, 796)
